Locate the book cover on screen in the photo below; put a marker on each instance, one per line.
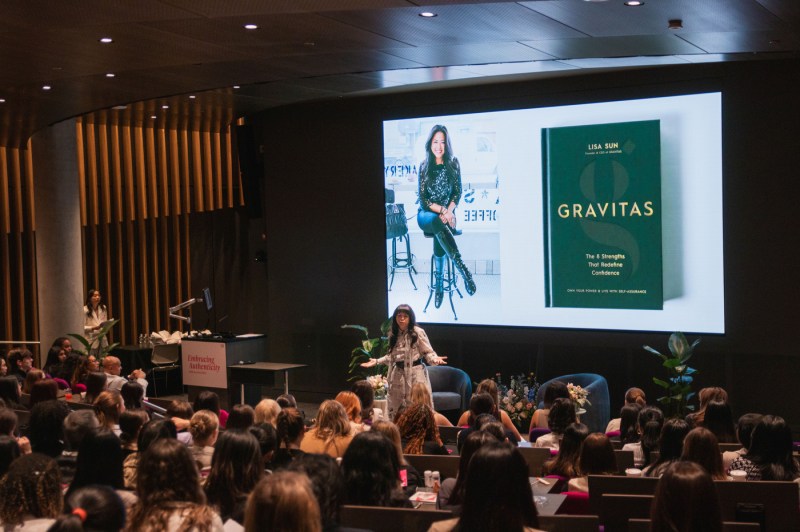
(602, 216)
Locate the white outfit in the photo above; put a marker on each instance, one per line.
(613, 425)
(638, 453)
(550, 440)
(115, 382)
(90, 321)
(401, 380)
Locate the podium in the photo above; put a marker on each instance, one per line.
(205, 361)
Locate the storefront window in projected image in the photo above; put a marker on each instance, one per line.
(597, 216)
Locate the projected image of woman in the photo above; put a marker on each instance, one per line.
(439, 194)
(408, 345)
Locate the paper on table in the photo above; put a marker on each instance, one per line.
(423, 496)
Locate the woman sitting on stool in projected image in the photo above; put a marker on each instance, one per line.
(439, 194)
(408, 344)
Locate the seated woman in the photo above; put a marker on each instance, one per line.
(410, 478)
(91, 508)
(332, 433)
(685, 499)
(10, 393)
(700, 446)
(562, 414)
(372, 472)
(634, 396)
(283, 501)
(241, 417)
(629, 424)
(497, 495)
(770, 456)
(236, 467)
(421, 394)
(130, 423)
(490, 386)
(744, 433)
(482, 410)
(451, 492)
(208, 400)
(369, 413)
(719, 420)
(554, 390)
(95, 384)
(30, 493)
(132, 395)
(670, 446)
(648, 425)
(32, 377)
(86, 365)
(204, 427)
(108, 406)
(706, 395)
(100, 462)
(43, 390)
(352, 407)
(597, 458)
(55, 363)
(418, 431)
(569, 451)
(290, 432)
(267, 411)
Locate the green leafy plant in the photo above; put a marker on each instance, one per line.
(369, 348)
(678, 385)
(97, 342)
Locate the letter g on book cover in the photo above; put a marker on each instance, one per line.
(602, 216)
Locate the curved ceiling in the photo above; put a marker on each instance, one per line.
(188, 54)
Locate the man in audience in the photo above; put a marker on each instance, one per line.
(112, 367)
(76, 426)
(20, 361)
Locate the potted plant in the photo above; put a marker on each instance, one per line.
(88, 345)
(678, 385)
(369, 348)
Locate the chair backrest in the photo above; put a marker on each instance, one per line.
(729, 447)
(599, 485)
(624, 459)
(597, 415)
(390, 519)
(449, 434)
(535, 457)
(569, 523)
(447, 466)
(164, 354)
(536, 433)
(643, 525)
(616, 509)
(776, 503)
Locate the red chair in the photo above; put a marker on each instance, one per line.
(576, 503)
(560, 483)
(536, 433)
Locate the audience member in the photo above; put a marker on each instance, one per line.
(648, 425)
(421, 394)
(352, 407)
(95, 385)
(132, 395)
(267, 438)
(629, 423)
(236, 467)
(9, 451)
(410, 478)
(46, 429)
(490, 386)
(130, 423)
(418, 431)
(54, 363)
(170, 496)
(366, 394)
(719, 420)
(685, 500)
(152, 431)
(108, 406)
(328, 485)
(706, 395)
(93, 508)
(204, 427)
(10, 391)
(670, 446)
(744, 431)
(286, 400)
(451, 491)
(553, 391)
(241, 417)
(20, 361)
(291, 431)
(3, 365)
(208, 400)
(372, 472)
(597, 458)
(100, 462)
(43, 390)
(701, 447)
(267, 411)
(331, 434)
(497, 496)
(30, 493)
(482, 410)
(561, 415)
(632, 396)
(770, 455)
(32, 377)
(113, 367)
(181, 412)
(77, 425)
(565, 464)
(283, 502)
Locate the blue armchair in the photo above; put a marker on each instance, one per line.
(451, 387)
(597, 415)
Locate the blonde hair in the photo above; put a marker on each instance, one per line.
(283, 502)
(332, 421)
(390, 430)
(267, 411)
(203, 425)
(107, 408)
(351, 404)
(421, 395)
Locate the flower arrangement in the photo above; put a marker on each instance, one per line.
(379, 384)
(579, 395)
(518, 398)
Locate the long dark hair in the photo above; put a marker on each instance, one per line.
(719, 420)
(562, 414)
(628, 419)
(236, 467)
(670, 445)
(206, 400)
(99, 462)
(88, 303)
(52, 359)
(95, 384)
(371, 470)
(701, 446)
(771, 449)
(498, 493)
(569, 451)
(102, 507)
(651, 419)
(412, 323)
(9, 391)
(472, 443)
(685, 499)
(430, 159)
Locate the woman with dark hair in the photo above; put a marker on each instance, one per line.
(130, 423)
(236, 467)
(497, 495)
(451, 492)
(744, 433)
(54, 363)
(95, 384)
(283, 502)
(170, 496)
(9, 451)
(95, 314)
(63, 342)
(419, 432)
(327, 482)
(30, 493)
(241, 417)
(100, 462)
(439, 194)
(719, 420)
(597, 458)
(701, 447)
(291, 431)
(331, 434)
(92, 508)
(648, 424)
(46, 427)
(490, 386)
(152, 431)
(208, 400)
(408, 346)
(3, 365)
(633, 396)
(267, 438)
(554, 390)
(685, 500)
(562, 414)
(10, 393)
(670, 446)
(366, 394)
(410, 479)
(629, 423)
(132, 395)
(372, 472)
(569, 451)
(770, 456)
(706, 395)
(85, 366)
(43, 390)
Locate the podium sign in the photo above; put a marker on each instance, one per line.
(204, 364)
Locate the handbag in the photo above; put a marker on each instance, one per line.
(395, 220)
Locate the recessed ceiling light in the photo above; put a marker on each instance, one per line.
(46, 87)
(251, 26)
(675, 24)
(236, 87)
(165, 106)
(110, 75)
(192, 96)
(634, 3)
(428, 14)
(2, 100)
(106, 40)
(120, 107)
(153, 117)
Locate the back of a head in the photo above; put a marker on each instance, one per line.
(496, 429)
(32, 488)
(719, 420)
(744, 428)
(670, 444)
(132, 394)
(8, 421)
(95, 384)
(77, 425)
(32, 377)
(417, 425)
(498, 493)
(685, 501)
(635, 396)
(167, 473)
(107, 406)
(206, 400)
(572, 440)
(371, 469)
(154, 430)
(99, 461)
(91, 508)
(332, 420)
(629, 423)
(241, 417)
(351, 404)
(771, 449)
(366, 394)
(327, 482)
(597, 456)
(562, 413)
(267, 438)
(555, 390)
(266, 411)
(392, 433)
(286, 400)
(481, 403)
(180, 409)
(283, 502)
(290, 425)
(9, 451)
(9, 390)
(488, 386)
(130, 423)
(474, 441)
(236, 467)
(44, 390)
(701, 446)
(712, 393)
(45, 429)
(203, 425)
(420, 394)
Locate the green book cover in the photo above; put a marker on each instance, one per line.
(602, 216)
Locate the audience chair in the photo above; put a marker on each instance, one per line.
(535, 457)
(643, 525)
(774, 504)
(624, 460)
(599, 485)
(569, 523)
(447, 466)
(597, 415)
(391, 519)
(536, 433)
(616, 509)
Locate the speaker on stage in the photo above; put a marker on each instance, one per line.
(251, 170)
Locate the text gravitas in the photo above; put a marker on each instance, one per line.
(604, 210)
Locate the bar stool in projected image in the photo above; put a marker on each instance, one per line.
(397, 232)
(449, 281)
